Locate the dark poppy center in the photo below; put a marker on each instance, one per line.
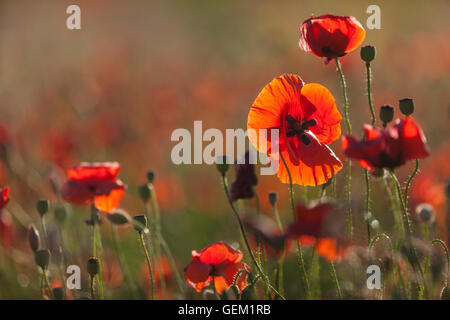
(297, 127)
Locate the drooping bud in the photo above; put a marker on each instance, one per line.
(368, 53)
(150, 176)
(140, 223)
(93, 266)
(425, 212)
(42, 206)
(42, 258)
(386, 114)
(144, 192)
(222, 164)
(273, 197)
(406, 106)
(60, 214)
(119, 217)
(33, 238)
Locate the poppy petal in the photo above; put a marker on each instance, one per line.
(414, 143)
(197, 274)
(75, 192)
(331, 249)
(228, 272)
(217, 253)
(109, 202)
(94, 170)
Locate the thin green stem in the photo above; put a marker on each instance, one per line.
(47, 283)
(173, 264)
(44, 231)
(335, 280)
(149, 265)
(406, 222)
(394, 206)
(368, 203)
(369, 91)
(92, 288)
(408, 183)
(344, 94)
(444, 246)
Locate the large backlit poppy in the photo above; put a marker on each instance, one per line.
(242, 187)
(94, 183)
(4, 197)
(219, 261)
(388, 148)
(307, 119)
(331, 36)
(315, 226)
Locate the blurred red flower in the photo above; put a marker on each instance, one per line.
(387, 148)
(94, 182)
(218, 260)
(4, 197)
(308, 120)
(331, 36)
(242, 187)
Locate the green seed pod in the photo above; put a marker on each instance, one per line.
(222, 164)
(144, 192)
(368, 53)
(42, 206)
(60, 214)
(386, 114)
(406, 106)
(273, 198)
(93, 266)
(119, 217)
(33, 238)
(42, 258)
(140, 222)
(150, 176)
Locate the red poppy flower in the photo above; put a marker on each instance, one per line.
(242, 187)
(218, 260)
(4, 197)
(388, 148)
(331, 36)
(307, 119)
(315, 226)
(94, 182)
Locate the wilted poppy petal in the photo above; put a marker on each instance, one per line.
(309, 164)
(217, 253)
(95, 170)
(197, 274)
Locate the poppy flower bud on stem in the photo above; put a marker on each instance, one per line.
(93, 266)
(42, 258)
(150, 176)
(140, 223)
(144, 192)
(406, 106)
(118, 217)
(273, 198)
(368, 53)
(222, 164)
(42, 206)
(386, 114)
(33, 238)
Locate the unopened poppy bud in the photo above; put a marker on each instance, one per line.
(58, 293)
(33, 238)
(93, 266)
(406, 106)
(445, 293)
(140, 222)
(42, 206)
(222, 164)
(60, 214)
(119, 217)
(150, 176)
(368, 53)
(144, 192)
(386, 114)
(42, 258)
(425, 212)
(273, 198)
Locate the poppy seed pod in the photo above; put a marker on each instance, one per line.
(150, 176)
(60, 214)
(119, 217)
(386, 114)
(406, 106)
(93, 266)
(273, 198)
(42, 206)
(425, 212)
(368, 53)
(42, 258)
(144, 192)
(33, 238)
(222, 164)
(140, 223)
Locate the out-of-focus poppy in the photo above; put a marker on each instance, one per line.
(307, 119)
(219, 261)
(242, 187)
(94, 182)
(6, 229)
(265, 231)
(387, 148)
(4, 197)
(331, 36)
(315, 226)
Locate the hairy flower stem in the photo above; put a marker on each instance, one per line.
(444, 246)
(369, 92)
(408, 183)
(335, 280)
(280, 285)
(92, 287)
(394, 206)
(368, 204)
(149, 264)
(349, 131)
(247, 244)
(97, 248)
(299, 246)
(47, 283)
